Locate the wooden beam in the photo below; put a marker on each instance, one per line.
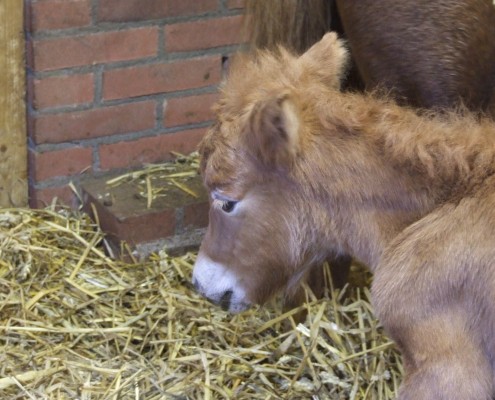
(13, 138)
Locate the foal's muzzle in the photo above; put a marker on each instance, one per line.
(223, 300)
(219, 285)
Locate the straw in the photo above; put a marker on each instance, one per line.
(76, 323)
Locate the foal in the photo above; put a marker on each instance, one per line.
(298, 171)
(455, 38)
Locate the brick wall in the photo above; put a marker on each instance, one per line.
(113, 84)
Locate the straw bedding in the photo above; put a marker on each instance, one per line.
(78, 324)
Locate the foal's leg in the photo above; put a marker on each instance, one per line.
(433, 293)
(443, 361)
(438, 333)
(339, 269)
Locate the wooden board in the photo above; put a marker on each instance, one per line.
(13, 148)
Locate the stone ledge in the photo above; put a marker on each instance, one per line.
(175, 221)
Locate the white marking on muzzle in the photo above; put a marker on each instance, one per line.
(214, 281)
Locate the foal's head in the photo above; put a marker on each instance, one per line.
(260, 239)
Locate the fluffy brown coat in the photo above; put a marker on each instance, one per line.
(299, 171)
(427, 53)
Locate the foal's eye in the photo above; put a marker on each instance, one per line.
(222, 202)
(228, 206)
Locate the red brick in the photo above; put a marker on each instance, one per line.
(203, 34)
(231, 4)
(131, 44)
(123, 217)
(196, 215)
(189, 110)
(67, 162)
(138, 10)
(131, 229)
(144, 228)
(40, 198)
(60, 14)
(68, 126)
(164, 77)
(63, 91)
(148, 150)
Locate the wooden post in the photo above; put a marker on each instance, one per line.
(13, 138)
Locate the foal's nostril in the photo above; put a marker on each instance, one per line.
(199, 288)
(225, 300)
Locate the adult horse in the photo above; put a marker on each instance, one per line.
(429, 53)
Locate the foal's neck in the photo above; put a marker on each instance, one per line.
(390, 167)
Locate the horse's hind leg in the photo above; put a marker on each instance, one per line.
(443, 361)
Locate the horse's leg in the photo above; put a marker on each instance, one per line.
(441, 344)
(339, 269)
(432, 292)
(443, 360)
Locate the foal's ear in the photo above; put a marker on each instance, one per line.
(273, 134)
(328, 59)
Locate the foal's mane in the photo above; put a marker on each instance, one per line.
(450, 146)
(445, 145)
